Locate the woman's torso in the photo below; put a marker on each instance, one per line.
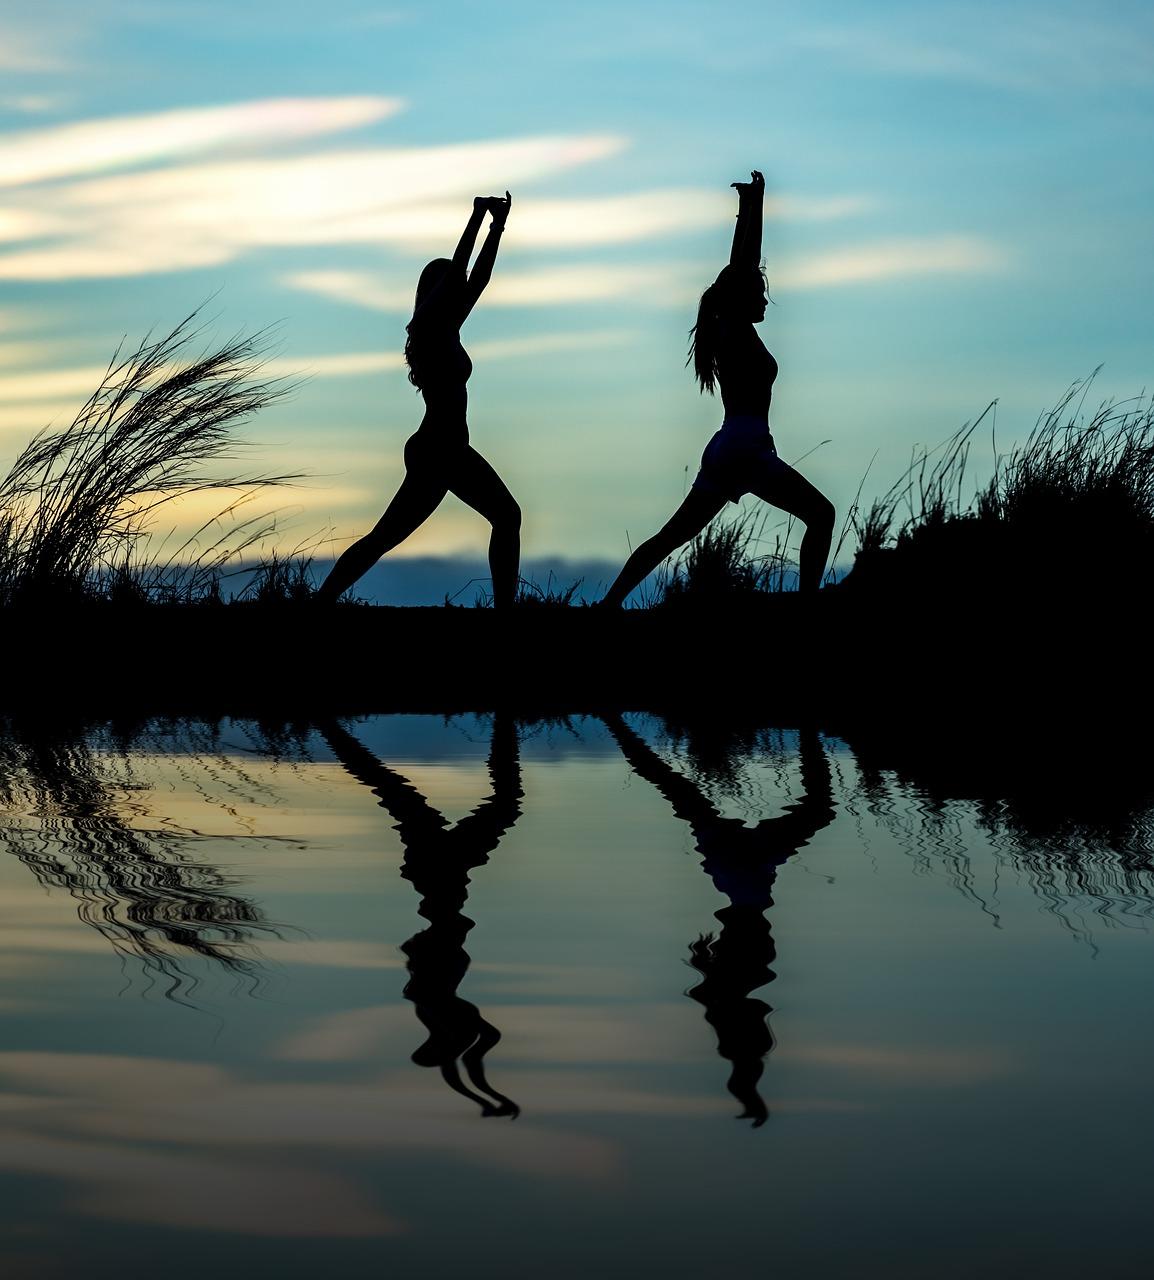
(445, 369)
(745, 373)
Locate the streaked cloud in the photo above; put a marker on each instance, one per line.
(50, 384)
(22, 51)
(926, 1065)
(91, 146)
(32, 104)
(1070, 46)
(551, 286)
(891, 260)
(201, 213)
(357, 363)
(66, 388)
(180, 212)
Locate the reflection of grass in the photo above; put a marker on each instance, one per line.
(77, 502)
(71, 811)
(1072, 506)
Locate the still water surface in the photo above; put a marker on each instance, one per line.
(423, 996)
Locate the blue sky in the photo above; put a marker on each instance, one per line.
(961, 208)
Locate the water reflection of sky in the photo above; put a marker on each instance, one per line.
(958, 1007)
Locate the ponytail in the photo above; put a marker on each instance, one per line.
(703, 338)
(717, 305)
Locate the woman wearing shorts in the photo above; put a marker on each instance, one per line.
(727, 353)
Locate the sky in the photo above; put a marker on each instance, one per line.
(960, 208)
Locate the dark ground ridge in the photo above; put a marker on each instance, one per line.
(838, 657)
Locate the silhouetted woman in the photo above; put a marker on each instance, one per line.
(740, 458)
(438, 456)
(438, 859)
(742, 862)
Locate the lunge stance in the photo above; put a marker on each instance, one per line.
(438, 457)
(740, 458)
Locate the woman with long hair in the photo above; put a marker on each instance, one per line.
(726, 353)
(438, 456)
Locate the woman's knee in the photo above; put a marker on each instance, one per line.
(507, 517)
(820, 514)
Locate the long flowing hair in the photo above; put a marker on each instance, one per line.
(436, 273)
(716, 305)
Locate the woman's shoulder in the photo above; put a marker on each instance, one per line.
(432, 319)
(736, 336)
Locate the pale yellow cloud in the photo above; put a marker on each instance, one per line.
(358, 363)
(155, 1103)
(198, 215)
(926, 1065)
(24, 51)
(91, 146)
(30, 416)
(195, 213)
(50, 384)
(571, 284)
(891, 260)
(190, 1192)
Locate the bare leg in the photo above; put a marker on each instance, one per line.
(792, 492)
(475, 482)
(415, 501)
(687, 522)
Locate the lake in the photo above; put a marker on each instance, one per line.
(601, 995)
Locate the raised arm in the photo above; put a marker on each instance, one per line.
(746, 251)
(464, 249)
(482, 271)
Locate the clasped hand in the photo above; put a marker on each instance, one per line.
(498, 206)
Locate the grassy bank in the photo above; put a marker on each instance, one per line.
(1026, 589)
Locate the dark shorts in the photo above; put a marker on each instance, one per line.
(733, 465)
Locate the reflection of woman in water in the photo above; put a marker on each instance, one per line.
(438, 456)
(438, 859)
(742, 862)
(741, 457)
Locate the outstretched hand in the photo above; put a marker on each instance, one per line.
(756, 185)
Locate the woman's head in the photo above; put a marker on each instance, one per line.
(739, 294)
(439, 272)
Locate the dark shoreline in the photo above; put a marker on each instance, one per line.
(840, 658)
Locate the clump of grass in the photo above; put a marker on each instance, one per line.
(1071, 506)
(281, 580)
(550, 596)
(77, 502)
(724, 562)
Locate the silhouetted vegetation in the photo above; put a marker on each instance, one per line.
(77, 503)
(726, 561)
(1072, 507)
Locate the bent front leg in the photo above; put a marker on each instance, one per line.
(792, 492)
(476, 483)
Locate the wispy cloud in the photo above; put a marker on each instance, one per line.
(23, 51)
(1070, 46)
(186, 202)
(891, 260)
(32, 104)
(200, 214)
(357, 363)
(33, 398)
(92, 146)
(572, 284)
